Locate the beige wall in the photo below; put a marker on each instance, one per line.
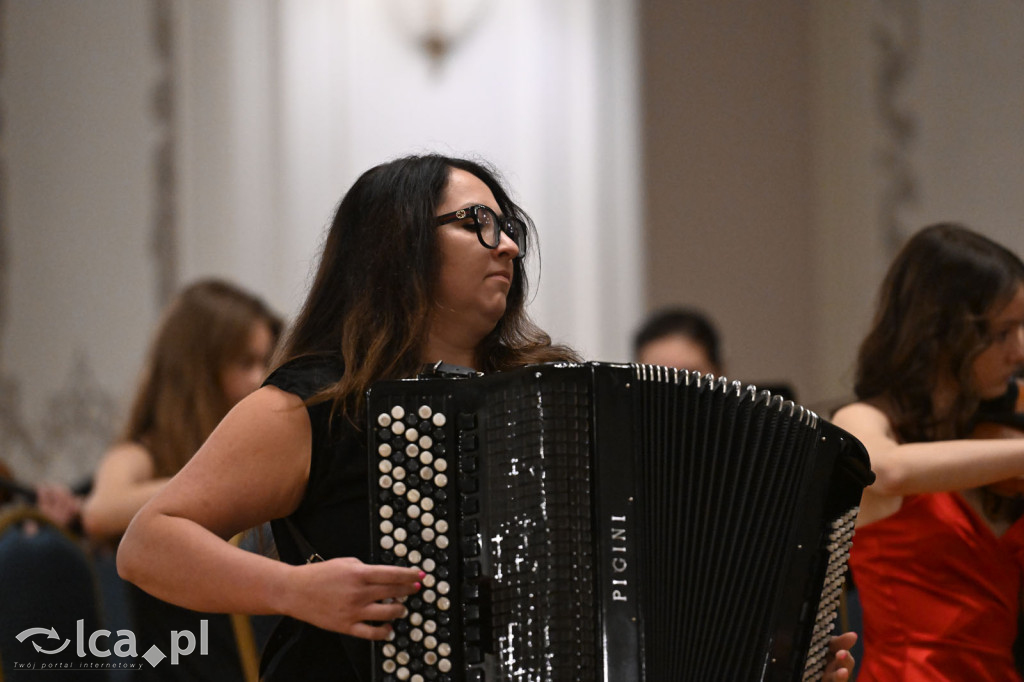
(727, 154)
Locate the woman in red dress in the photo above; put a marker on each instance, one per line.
(938, 554)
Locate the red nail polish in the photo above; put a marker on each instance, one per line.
(418, 586)
(422, 575)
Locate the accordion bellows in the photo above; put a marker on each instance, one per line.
(609, 522)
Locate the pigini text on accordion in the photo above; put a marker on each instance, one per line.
(609, 522)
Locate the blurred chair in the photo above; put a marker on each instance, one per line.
(46, 581)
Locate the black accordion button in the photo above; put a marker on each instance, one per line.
(466, 421)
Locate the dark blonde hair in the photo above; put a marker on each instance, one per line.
(931, 323)
(180, 397)
(371, 297)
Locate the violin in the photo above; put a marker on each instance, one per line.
(1005, 423)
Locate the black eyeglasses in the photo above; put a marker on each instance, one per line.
(488, 226)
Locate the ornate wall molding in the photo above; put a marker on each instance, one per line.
(896, 35)
(164, 238)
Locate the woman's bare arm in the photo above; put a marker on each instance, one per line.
(912, 468)
(253, 468)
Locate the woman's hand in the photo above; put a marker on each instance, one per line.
(345, 595)
(840, 660)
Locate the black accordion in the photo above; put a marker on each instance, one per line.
(609, 522)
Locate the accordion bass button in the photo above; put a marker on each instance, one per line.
(439, 419)
(384, 419)
(397, 412)
(424, 412)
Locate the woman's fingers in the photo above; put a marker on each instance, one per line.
(367, 631)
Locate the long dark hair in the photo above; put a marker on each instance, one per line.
(371, 298)
(931, 324)
(180, 397)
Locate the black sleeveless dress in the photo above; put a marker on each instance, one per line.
(333, 518)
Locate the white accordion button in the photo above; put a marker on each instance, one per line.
(416, 619)
(427, 534)
(386, 527)
(387, 542)
(397, 412)
(444, 649)
(426, 518)
(426, 457)
(426, 442)
(441, 526)
(441, 464)
(389, 666)
(444, 603)
(402, 658)
(415, 556)
(429, 580)
(384, 450)
(416, 635)
(427, 504)
(439, 419)
(426, 473)
(386, 512)
(442, 541)
(398, 428)
(400, 534)
(389, 650)
(384, 419)
(402, 674)
(429, 596)
(443, 587)
(401, 550)
(411, 450)
(398, 473)
(414, 495)
(412, 435)
(424, 412)
(430, 627)
(412, 511)
(444, 665)
(430, 658)
(384, 466)
(399, 488)
(429, 566)
(384, 481)
(440, 480)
